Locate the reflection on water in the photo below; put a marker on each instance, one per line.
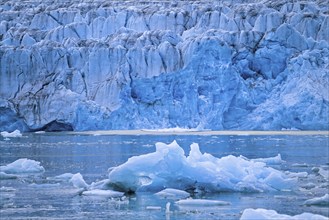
(92, 155)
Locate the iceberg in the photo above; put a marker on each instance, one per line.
(218, 65)
(22, 166)
(15, 133)
(263, 214)
(168, 167)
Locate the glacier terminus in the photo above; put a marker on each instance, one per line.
(219, 65)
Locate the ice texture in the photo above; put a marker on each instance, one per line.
(22, 166)
(201, 202)
(319, 201)
(171, 193)
(15, 133)
(231, 65)
(264, 214)
(78, 181)
(103, 193)
(168, 167)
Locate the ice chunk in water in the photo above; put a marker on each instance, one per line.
(15, 133)
(263, 214)
(168, 167)
(104, 193)
(170, 193)
(201, 202)
(22, 166)
(78, 181)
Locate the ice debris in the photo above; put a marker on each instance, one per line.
(103, 193)
(170, 193)
(78, 181)
(168, 167)
(22, 166)
(264, 214)
(15, 133)
(201, 202)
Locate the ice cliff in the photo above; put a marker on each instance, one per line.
(76, 65)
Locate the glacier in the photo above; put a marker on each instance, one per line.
(219, 65)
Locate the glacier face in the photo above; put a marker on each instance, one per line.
(193, 64)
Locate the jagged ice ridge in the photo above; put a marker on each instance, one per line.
(158, 64)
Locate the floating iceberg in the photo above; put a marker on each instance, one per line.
(263, 214)
(15, 133)
(168, 167)
(22, 166)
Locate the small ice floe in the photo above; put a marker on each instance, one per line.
(23, 166)
(78, 181)
(103, 193)
(264, 214)
(153, 208)
(201, 202)
(13, 134)
(299, 165)
(318, 201)
(171, 193)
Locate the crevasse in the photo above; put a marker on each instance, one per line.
(191, 64)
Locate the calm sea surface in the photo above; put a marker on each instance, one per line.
(93, 153)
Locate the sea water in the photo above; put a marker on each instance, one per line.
(92, 153)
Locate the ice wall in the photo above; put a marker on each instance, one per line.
(193, 64)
